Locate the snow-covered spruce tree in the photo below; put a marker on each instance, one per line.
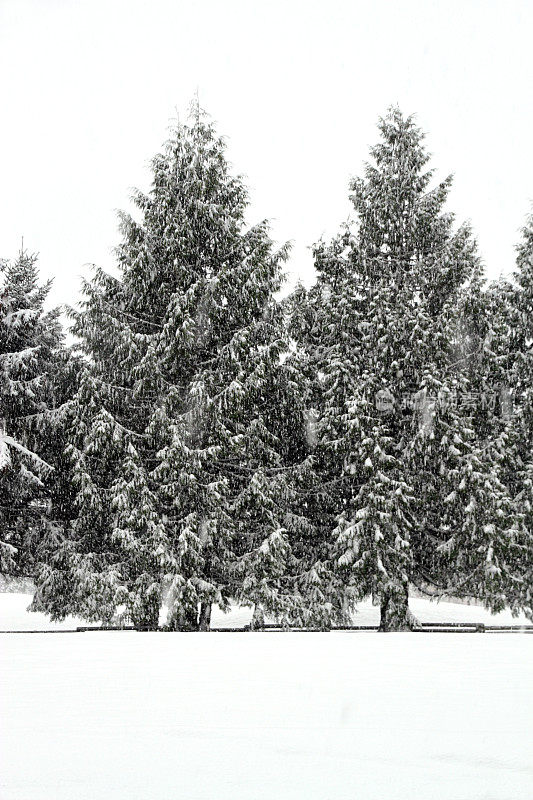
(492, 561)
(523, 421)
(383, 334)
(177, 444)
(512, 447)
(480, 558)
(32, 361)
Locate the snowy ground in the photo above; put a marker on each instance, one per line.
(265, 716)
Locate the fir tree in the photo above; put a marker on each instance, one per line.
(177, 444)
(383, 334)
(491, 561)
(32, 362)
(513, 448)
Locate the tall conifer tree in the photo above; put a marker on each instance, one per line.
(177, 444)
(397, 463)
(32, 362)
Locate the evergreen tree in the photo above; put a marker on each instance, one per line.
(494, 560)
(177, 445)
(32, 361)
(513, 448)
(383, 329)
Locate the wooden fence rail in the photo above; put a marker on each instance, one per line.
(425, 627)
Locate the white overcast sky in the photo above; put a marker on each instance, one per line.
(88, 89)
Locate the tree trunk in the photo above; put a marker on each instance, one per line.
(205, 616)
(258, 619)
(145, 614)
(145, 622)
(184, 619)
(395, 612)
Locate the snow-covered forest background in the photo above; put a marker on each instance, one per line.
(205, 441)
(289, 382)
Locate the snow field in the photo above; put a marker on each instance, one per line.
(277, 716)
